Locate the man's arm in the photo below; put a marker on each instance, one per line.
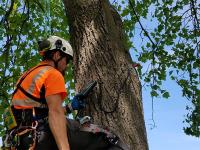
(57, 121)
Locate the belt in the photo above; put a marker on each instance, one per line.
(25, 116)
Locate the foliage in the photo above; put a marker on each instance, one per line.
(170, 45)
(168, 35)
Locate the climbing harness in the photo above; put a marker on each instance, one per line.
(15, 128)
(12, 137)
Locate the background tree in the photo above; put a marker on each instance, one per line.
(101, 54)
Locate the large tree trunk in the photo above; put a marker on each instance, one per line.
(100, 54)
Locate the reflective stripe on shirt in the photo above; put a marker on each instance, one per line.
(28, 102)
(38, 76)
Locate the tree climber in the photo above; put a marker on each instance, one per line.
(39, 95)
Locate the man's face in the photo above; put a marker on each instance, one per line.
(62, 64)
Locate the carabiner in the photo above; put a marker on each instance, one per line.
(34, 124)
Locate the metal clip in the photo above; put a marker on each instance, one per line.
(113, 140)
(7, 141)
(34, 125)
(85, 119)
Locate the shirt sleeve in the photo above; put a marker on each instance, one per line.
(55, 84)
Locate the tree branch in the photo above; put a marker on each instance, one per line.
(138, 19)
(145, 31)
(39, 5)
(195, 13)
(196, 26)
(8, 12)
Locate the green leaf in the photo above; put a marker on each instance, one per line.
(148, 45)
(160, 28)
(166, 95)
(154, 93)
(155, 87)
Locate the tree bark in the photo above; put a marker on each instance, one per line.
(100, 54)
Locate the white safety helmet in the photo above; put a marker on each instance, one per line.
(55, 43)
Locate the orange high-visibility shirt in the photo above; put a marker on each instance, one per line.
(47, 76)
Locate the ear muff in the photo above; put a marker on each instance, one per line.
(58, 44)
(44, 45)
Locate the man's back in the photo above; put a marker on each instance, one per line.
(42, 79)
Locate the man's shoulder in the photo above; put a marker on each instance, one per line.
(55, 72)
(50, 70)
(44, 66)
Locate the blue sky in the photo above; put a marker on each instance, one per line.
(168, 116)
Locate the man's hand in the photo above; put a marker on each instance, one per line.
(78, 102)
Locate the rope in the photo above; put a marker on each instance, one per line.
(114, 109)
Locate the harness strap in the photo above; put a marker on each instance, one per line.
(27, 94)
(24, 132)
(27, 129)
